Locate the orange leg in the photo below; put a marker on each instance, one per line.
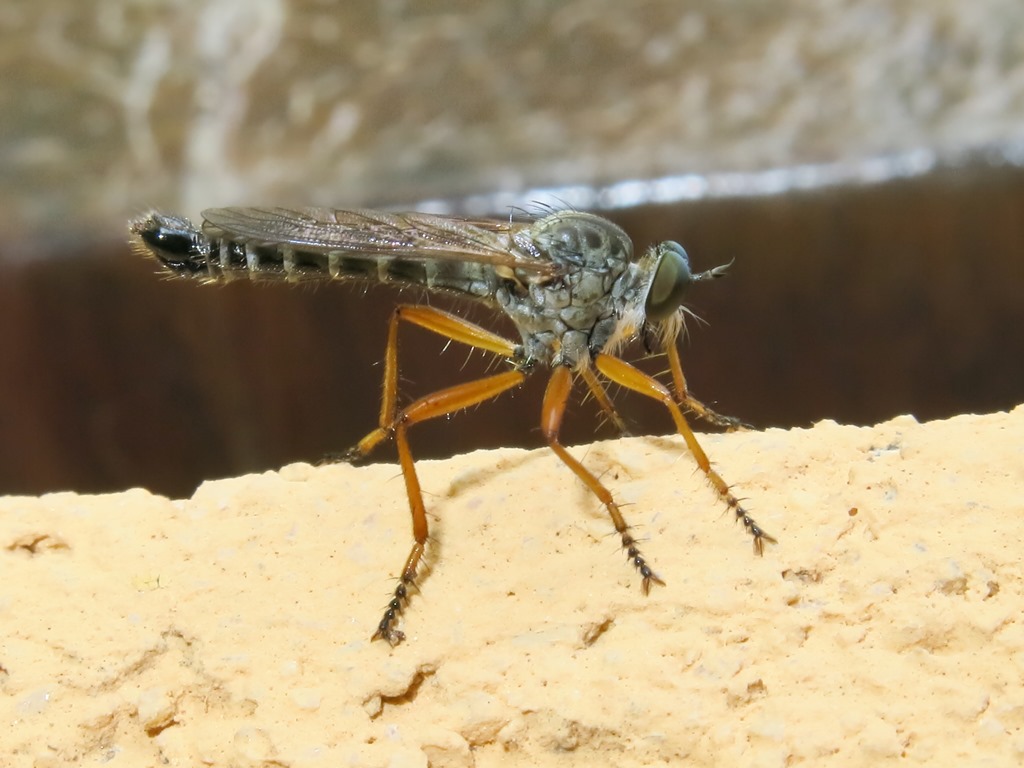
(431, 406)
(395, 423)
(628, 376)
(443, 324)
(598, 391)
(686, 400)
(552, 412)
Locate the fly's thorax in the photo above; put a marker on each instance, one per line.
(577, 238)
(565, 317)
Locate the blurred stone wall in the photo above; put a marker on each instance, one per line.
(112, 106)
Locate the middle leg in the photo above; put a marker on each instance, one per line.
(552, 412)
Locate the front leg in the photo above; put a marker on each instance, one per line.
(633, 378)
(683, 397)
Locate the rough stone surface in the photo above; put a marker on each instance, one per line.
(232, 628)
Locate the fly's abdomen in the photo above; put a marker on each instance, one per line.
(174, 241)
(213, 255)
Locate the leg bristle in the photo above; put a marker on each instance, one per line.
(386, 628)
(648, 576)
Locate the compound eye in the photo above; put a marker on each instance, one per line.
(672, 277)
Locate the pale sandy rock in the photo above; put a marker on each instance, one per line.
(232, 629)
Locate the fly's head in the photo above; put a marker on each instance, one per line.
(671, 277)
(173, 240)
(652, 292)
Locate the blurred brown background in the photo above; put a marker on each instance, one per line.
(861, 164)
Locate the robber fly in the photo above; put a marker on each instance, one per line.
(568, 280)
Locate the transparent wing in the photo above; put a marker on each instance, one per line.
(376, 233)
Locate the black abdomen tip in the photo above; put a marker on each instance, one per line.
(174, 240)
